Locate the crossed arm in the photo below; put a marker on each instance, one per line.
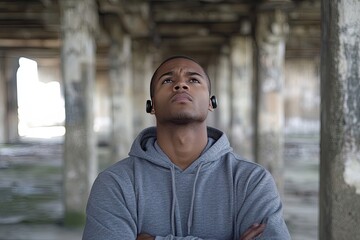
(254, 231)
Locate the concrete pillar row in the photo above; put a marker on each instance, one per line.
(271, 30)
(142, 73)
(340, 121)
(212, 69)
(222, 88)
(3, 107)
(120, 74)
(241, 92)
(12, 120)
(79, 24)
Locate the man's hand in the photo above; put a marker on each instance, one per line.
(145, 236)
(254, 231)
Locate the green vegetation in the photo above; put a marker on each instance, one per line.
(74, 219)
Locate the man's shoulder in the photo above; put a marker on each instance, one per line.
(240, 160)
(245, 166)
(118, 170)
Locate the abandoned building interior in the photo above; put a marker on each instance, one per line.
(74, 80)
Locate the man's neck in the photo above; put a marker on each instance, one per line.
(183, 144)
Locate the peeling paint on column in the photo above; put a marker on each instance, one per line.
(352, 170)
(349, 73)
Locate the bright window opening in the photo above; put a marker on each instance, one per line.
(40, 105)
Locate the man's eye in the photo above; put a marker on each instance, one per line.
(194, 80)
(168, 80)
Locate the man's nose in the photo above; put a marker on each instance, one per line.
(181, 85)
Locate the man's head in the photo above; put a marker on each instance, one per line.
(172, 58)
(180, 91)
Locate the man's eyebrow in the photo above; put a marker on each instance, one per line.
(171, 73)
(166, 74)
(194, 73)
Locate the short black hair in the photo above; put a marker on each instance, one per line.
(171, 58)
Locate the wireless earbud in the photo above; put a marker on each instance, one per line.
(213, 102)
(148, 106)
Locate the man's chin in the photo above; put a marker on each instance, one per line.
(182, 121)
(186, 119)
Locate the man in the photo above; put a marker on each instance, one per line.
(182, 179)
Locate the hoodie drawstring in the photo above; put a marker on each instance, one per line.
(191, 212)
(173, 200)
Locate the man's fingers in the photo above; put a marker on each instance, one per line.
(254, 231)
(144, 236)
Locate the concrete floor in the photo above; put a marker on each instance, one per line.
(30, 190)
(38, 232)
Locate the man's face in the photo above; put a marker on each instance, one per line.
(181, 92)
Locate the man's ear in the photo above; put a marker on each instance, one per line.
(153, 107)
(210, 108)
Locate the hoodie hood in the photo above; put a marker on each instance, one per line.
(145, 147)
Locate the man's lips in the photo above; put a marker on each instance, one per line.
(181, 97)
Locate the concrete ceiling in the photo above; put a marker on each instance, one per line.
(194, 27)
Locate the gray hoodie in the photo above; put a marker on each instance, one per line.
(219, 196)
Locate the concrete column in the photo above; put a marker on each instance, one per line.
(222, 89)
(12, 123)
(78, 24)
(340, 121)
(270, 37)
(241, 91)
(120, 75)
(212, 69)
(2, 100)
(142, 73)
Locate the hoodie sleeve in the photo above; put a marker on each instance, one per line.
(110, 212)
(171, 237)
(262, 204)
